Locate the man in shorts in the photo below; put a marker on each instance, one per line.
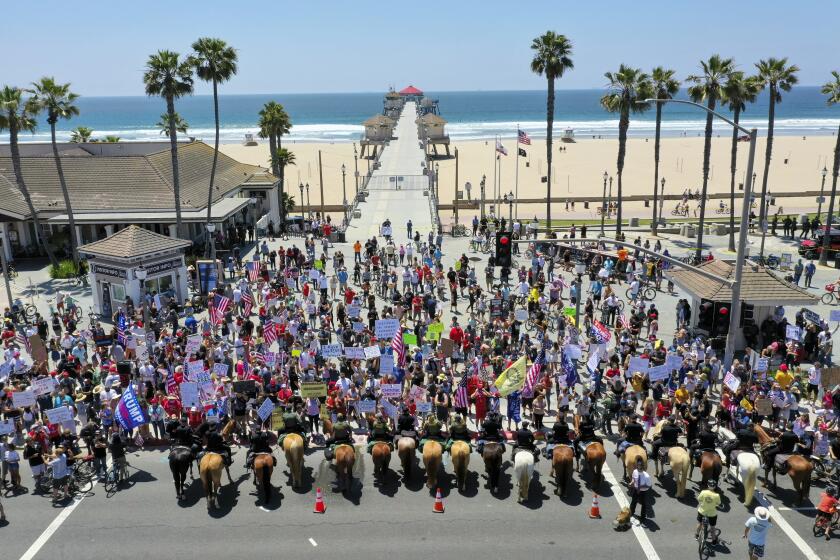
(707, 504)
(60, 473)
(755, 531)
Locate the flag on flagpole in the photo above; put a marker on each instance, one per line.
(171, 384)
(600, 332)
(121, 326)
(462, 399)
(398, 346)
(501, 149)
(569, 369)
(253, 268)
(534, 372)
(523, 138)
(522, 152)
(219, 306)
(247, 301)
(513, 378)
(269, 333)
(129, 414)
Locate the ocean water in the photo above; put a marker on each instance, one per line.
(471, 115)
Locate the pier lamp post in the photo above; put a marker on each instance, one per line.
(356, 166)
(609, 200)
(141, 273)
(302, 217)
(604, 202)
(763, 222)
(824, 172)
(580, 270)
(508, 198)
(344, 189)
(483, 181)
(661, 201)
(735, 311)
(308, 204)
(437, 186)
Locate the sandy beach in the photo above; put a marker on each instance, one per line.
(578, 170)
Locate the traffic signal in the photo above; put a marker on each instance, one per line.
(504, 246)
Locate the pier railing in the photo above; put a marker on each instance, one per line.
(398, 183)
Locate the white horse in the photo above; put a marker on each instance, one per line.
(523, 471)
(748, 465)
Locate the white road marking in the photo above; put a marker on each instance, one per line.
(312, 542)
(638, 530)
(52, 528)
(783, 508)
(266, 510)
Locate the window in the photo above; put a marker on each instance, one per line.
(118, 292)
(160, 285)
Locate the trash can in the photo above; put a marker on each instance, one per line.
(689, 232)
(837, 260)
(342, 238)
(634, 222)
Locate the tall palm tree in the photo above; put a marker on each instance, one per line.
(282, 158)
(625, 91)
(180, 124)
(736, 93)
(832, 90)
(214, 62)
(171, 78)
(552, 57)
(708, 87)
(81, 134)
(58, 102)
(274, 122)
(665, 86)
(777, 76)
(19, 115)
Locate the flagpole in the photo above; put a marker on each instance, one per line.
(516, 187)
(495, 165)
(499, 189)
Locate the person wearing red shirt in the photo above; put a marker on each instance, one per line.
(348, 296)
(456, 334)
(195, 417)
(172, 405)
(827, 507)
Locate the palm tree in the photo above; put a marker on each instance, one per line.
(214, 62)
(552, 57)
(274, 122)
(111, 139)
(665, 86)
(832, 90)
(171, 78)
(707, 87)
(57, 100)
(20, 116)
(282, 158)
(626, 90)
(737, 92)
(81, 134)
(777, 76)
(180, 124)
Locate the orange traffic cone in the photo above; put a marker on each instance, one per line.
(320, 506)
(595, 510)
(438, 507)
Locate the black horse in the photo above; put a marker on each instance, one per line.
(180, 460)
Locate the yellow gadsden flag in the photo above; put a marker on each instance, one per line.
(512, 379)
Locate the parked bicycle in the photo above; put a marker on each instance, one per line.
(830, 296)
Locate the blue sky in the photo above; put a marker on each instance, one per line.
(365, 45)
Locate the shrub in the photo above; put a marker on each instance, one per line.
(65, 269)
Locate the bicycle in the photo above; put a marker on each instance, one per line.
(708, 537)
(823, 526)
(460, 230)
(84, 468)
(115, 476)
(830, 296)
(646, 293)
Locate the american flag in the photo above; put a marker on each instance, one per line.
(22, 339)
(257, 355)
(269, 333)
(534, 372)
(600, 332)
(569, 369)
(462, 399)
(398, 346)
(121, 324)
(247, 302)
(524, 138)
(218, 307)
(253, 270)
(501, 149)
(171, 384)
(623, 320)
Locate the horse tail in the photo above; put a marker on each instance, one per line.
(522, 469)
(748, 467)
(266, 480)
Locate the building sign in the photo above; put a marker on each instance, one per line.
(164, 266)
(109, 270)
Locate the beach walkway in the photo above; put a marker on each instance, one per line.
(395, 190)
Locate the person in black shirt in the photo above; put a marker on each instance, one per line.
(490, 431)
(667, 437)
(117, 449)
(633, 433)
(785, 444)
(745, 439)
(524, 441)
(586, 434)
(706, 441)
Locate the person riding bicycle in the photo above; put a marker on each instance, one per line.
(827, 508)
(707, 503)
(117, 448)
(491, 431)
(342, 435)
(380, 432)
(458, 431)
(745, 439)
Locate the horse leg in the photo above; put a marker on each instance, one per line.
(227, 470)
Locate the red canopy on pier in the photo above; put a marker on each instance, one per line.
(411, 90)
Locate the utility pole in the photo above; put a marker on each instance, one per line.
(356, 165)
(456, 186)
(321, 180)
(483, 180)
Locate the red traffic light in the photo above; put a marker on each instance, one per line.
(504, 240)
(723, 311)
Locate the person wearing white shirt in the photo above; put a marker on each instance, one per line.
(639, 486)
(814, 377)
(60, 473)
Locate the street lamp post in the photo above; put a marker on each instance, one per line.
(483, 180)
(580, 270)
(735, 312)
(604, 202)
(356, 166)
(609, 200)
(308, 204)
(211, 228)
(344, 189)
(437, 186)
(508, 198)
(763, 221)
(824, 172)
(661, 202)
(140, 273)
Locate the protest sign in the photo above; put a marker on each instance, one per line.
(60, 415)
(657, 373)
(354, 310)
(410, 339)
(638, 364)
(386, 364)
(189, 394)
(732, 382)
(424, 407)
(834, 315)
(270, 358)
(7, 426)
(447, 347)
(203, 378)
(44, 386)
(5, 370)
(313, 389)
(354, 353)
(673, 361)
(434, 331)
(573, 351)
(391, 390)
(389, 409)
(497, 307)
(249, 387)
(569, 311)
(593, 361)
(764, 407)
(792, 332)
(416, 392)
(366, 406)
(195, 367)
(38, 350)
(265, 410)
(358, 326)
(386, 329)
(372, 352)
(762, 365)
(331, 350)
(22, 399)
(221, 370)
(193, 343)
(521, 315)
(811, 316)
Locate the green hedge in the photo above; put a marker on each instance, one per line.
(65, 269)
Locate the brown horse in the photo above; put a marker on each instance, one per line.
(710, 467)
(799, 467)
(406, 451)
(345, 458)
(630, 455)
(432, 458)
(263, 467)
(381, 454)
(293, 449)
(460, 453)
(595, 456)
(210, 470)
(493, 456)
(562, 464)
